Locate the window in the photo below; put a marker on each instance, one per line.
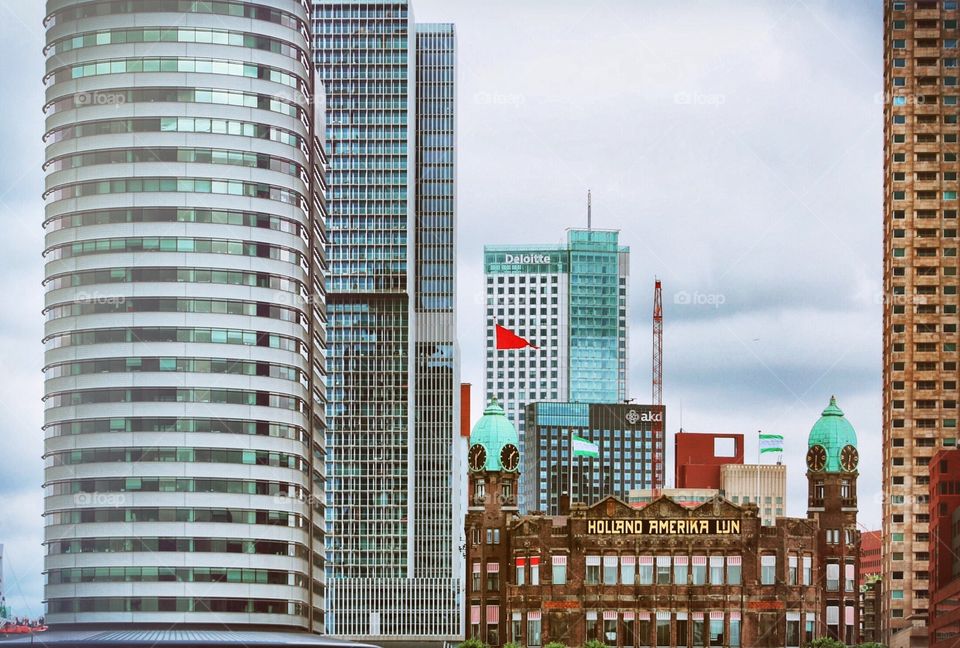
(533, 628)
(559, 574)
(793, 629)
(610, 570)
(734, 629)
(792, 570)
(716, 628)
(475, 621)
(628, 570)
(833, 577)
(808, 626)
(592, 576)
(610, 627)
(848, 579)
(475, 581)
(733, 570)
(535, 570)
(699, 629)
(699, 570)
(493, 625)
(521, 571)
(663, 629)
(516, 628)
(663, 570)
(646, 570)
(493, 576)
(644, 628)
(681, 629)
(716, 570)
(768, 569)
(680, 569)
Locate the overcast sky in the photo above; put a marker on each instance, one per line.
(737, 145)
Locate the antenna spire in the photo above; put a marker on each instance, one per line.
(589, 210)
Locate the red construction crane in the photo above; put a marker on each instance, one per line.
(659, 439)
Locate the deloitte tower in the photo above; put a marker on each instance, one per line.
(570, 302)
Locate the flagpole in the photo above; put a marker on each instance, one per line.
(759, 432)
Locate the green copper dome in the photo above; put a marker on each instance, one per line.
(834, 433)
(493, 431)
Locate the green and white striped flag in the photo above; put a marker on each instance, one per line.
(771, 443)
(583, 448)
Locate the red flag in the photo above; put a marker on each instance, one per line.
(507, 339)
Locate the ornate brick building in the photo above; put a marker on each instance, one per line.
(660, 575)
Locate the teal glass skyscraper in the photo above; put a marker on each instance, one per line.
(394, 499)
(598, 324)
(571, 302)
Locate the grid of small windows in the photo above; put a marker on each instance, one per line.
(921, 108)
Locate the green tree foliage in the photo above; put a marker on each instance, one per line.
(473, 642)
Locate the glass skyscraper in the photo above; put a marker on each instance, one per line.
(394, 498)
(184, 335)
(571, 302)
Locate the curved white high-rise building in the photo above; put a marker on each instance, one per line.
(184, 337)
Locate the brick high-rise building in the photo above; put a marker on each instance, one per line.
(920, 287)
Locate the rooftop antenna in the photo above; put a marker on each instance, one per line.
(589, 210)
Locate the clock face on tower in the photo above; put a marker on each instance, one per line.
(816, 458)
(849, 458)
(510, 457)
(478, 457)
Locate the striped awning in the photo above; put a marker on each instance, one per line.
(609, 615)
(593, 561)
(716, 616)
(696, 616)
(663, 615)
(493, 567)
(663, 561)
(533, 615)
(646, 561)
(734, 561)
(493, 614)
(629, 616)
(476, 568)
(628, 560)
(559, 560)
(699, 561)
(610, 561)
(681, 561)
(643, 616)
(474, 614)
